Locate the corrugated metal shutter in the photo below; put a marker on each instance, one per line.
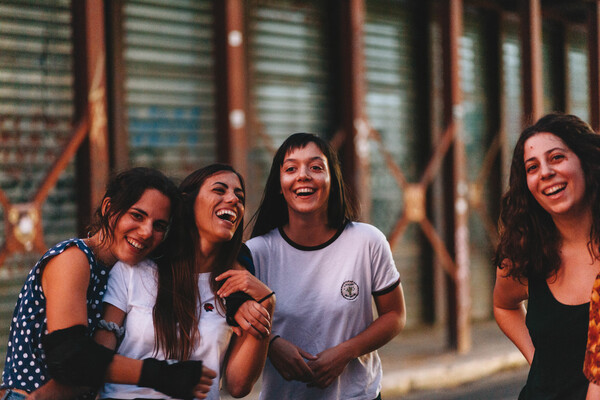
(391, 101)
(170, 93)
(36, 108)
(577, 74)
(476, 128)
(289, 63)
(511, 92)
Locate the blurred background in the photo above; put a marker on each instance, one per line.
(423, 99)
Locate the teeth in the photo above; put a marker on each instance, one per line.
(305, 190)
(228, 215)
(135, 244)
(553, 189)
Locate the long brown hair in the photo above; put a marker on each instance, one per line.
(529, 239)
(175, 312)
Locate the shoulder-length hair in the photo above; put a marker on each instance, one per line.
(175, 312)
(123, 191)
(273, 211)
(529, 239)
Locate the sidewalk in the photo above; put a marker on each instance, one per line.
(419, 360)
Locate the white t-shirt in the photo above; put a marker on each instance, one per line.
(324, 297)
(132, 289)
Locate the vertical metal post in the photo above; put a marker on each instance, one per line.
(231, 84)
(531, 43)
(594, 57)
(355, 148)
(90, 99)
(459, 301)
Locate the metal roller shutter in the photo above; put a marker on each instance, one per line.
(391, 103)
(289, 63)
(170, 93)
(476, 129)
(36, 109)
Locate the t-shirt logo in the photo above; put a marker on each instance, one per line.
(208, 307)
(349, 290)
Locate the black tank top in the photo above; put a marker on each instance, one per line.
(559, 334)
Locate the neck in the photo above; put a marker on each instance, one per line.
(101, 250)
(574, 228)
(206, 254)
(308, 230)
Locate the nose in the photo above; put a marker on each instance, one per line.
(303, 173)
(146, 229)
(231, 197)
(546, 170)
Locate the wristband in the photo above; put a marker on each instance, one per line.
(272, 340)
(266, 297)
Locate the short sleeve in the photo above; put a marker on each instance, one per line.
(385, 275)
(591, 365)
(245, 259)
(118, 285)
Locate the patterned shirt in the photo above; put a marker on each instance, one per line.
(25, 366)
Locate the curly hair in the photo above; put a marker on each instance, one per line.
(530, 243)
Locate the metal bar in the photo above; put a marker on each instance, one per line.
(531, 44)
(231, 84)
(355, 148)
(457, 215)
(594, 67)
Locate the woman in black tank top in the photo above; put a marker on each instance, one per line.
(549, 254)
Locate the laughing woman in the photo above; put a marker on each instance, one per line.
(549, 253)
(170, 307)
(60, 304)
(326, 270)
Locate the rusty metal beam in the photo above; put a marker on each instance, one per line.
(459, 302)
(594, 61)
(531, 44)
(231, 79)
(90, 99)
(354, 123)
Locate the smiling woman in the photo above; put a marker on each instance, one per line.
(549, 253)
(50, 352)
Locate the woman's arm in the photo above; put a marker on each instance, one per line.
(509, 311)
(246, 359)
(330, 363)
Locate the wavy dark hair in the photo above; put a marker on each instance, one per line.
(175, 313)
(123, 191)
(273, 212)
(529, 239)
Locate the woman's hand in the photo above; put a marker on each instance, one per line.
(289, 360)
(241, 281)
(328, 365)
(253, 318)
(203, 387)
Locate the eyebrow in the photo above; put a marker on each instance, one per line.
(547, 152)
(320, 158)
(237, 189)
(141, 211)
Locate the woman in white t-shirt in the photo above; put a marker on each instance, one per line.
(326, 270)
(170, 308)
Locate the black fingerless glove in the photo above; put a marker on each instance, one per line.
(175, 380)
(233, 302)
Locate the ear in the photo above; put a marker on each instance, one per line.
(105, 206)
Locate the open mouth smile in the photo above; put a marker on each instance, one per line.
(227, 215)
(135, 244)
(304, 191)
(552, 190)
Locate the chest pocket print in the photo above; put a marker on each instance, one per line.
(349, 290)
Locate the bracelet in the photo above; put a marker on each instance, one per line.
(266, 297)
(274, 337)
(110, 326)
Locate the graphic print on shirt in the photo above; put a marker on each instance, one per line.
(349, 290)
(209, 307)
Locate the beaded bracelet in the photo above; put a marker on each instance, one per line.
(266, 297)
(112, 327)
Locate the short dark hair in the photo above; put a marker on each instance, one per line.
(528, 235)
(273, 211)
(123, 191)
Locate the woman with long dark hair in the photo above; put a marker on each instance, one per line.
(326, 269)
(171, 307)
(549, 253)
(50, 352)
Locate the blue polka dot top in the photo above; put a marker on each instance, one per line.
(25, 366)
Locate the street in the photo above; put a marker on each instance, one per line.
(502, 386)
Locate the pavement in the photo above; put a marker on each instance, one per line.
(419, 359)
